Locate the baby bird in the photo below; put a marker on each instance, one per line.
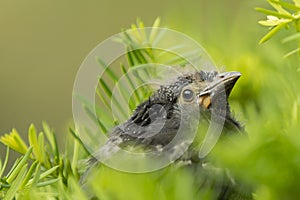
(177, 106)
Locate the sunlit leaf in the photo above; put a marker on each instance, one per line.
(274, 13)
(37, 144)
(14, 141)
(274, 22)
(286, 5)
(41, 145)
(278, 7)
(271, 33)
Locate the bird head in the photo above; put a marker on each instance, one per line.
(202, 88)
(157, 119)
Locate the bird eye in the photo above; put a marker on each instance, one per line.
(188, 95)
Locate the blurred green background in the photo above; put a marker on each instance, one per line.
(43, 43)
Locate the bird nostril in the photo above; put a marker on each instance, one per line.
(221, 76)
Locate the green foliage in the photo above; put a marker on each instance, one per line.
(44, 172)
(170, 183)
(138, 45)
(41, 171)
(285, 15)
(140, 53)
(267, 96)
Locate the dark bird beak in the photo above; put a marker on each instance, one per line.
(221, 84)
